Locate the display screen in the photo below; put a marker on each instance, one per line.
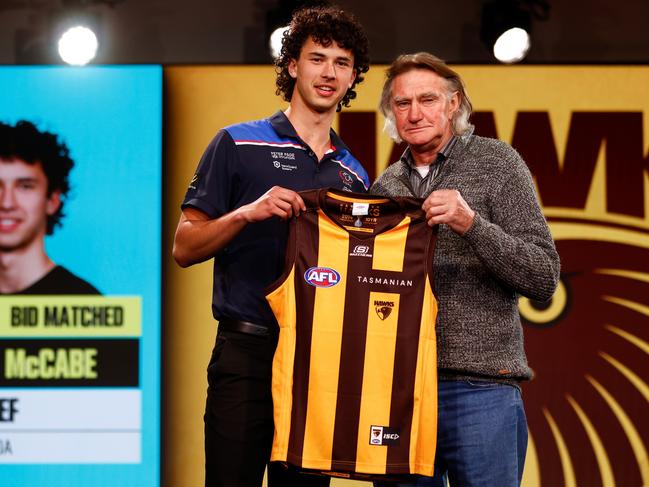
(80, 319)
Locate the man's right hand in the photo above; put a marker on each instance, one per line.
(277, 201)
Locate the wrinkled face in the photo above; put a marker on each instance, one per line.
(423, 109)
(24, 204)
(322, 75)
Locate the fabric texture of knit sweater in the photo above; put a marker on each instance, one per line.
(507, 252)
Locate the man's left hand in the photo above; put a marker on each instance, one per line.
(447, 206)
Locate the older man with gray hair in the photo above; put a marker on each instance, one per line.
(493, 245)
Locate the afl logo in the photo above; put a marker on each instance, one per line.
(346, 177)
(321, 276)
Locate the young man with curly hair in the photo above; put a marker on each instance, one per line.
(34, 170)
(235, 210)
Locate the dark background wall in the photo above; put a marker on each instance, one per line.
(233, 32)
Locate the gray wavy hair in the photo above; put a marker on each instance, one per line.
(425, 60)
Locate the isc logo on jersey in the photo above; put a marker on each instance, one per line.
(321, 276)
(384, 435)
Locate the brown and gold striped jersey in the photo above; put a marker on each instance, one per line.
(354, 374)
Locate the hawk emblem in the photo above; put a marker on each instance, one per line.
(588, 405)
(383, 312)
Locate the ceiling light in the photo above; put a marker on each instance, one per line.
(507, 25)
(275, 41)
(78, 45)
(512, 45)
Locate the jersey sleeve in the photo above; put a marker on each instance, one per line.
(210, 188)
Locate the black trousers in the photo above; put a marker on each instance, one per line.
(239, 416)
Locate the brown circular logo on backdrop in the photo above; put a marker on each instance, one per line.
(588, 405)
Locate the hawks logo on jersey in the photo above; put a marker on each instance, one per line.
(383, 308)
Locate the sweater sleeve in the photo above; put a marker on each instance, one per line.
(391, 182)
(377, 188)
(515, 244)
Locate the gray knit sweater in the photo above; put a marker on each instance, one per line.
(507, 252)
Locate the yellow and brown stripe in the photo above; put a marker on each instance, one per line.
(354, 382)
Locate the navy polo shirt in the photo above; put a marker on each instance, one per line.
(241, 163)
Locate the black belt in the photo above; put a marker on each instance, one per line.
(246, 327)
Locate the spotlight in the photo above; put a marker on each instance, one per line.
(78, 45)
(507, 24)
(275, 41)
(277, 20)
(77, 29)
(512, 45)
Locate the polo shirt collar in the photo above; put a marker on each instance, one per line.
(282, 125)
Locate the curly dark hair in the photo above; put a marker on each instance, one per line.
(325, 24)
(25, 142)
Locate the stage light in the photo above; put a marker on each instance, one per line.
(78, 45)
(275, 41)
(276, 23)
(512, 45)
(507, 25)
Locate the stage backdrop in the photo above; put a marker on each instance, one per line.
(584, 134)
(88, 413)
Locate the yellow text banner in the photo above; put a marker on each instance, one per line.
(70, 316)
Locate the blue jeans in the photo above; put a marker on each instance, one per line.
(481, 437)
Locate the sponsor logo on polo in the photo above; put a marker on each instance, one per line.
(322, 276)
(284, 167)
(192, 183)
(283, 155)
(346, 178)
